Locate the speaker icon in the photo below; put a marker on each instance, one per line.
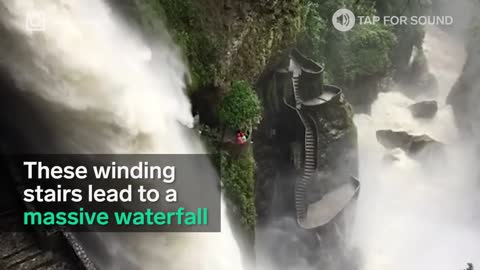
(343, 20)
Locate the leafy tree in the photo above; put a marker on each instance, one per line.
(240, 108)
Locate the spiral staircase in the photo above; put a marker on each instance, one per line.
(322, 212)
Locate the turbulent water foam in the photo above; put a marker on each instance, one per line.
(106, 91)
(410, 215)
(87, 62)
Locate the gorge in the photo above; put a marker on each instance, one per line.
(187, 77)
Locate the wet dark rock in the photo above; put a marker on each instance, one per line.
(424, 109)
(417, 79)
(411, 144)
(465, 93)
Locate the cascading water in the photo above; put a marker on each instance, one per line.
(103, 90)
(410, 215)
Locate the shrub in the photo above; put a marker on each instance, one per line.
(240, 108)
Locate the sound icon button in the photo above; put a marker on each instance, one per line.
(343, 20)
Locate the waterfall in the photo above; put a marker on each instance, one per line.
(103, 89)
(412, 215)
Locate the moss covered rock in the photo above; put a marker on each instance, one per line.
(238, 176)
(223, 40)
(249, 34)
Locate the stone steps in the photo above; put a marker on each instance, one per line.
(298, 100)
(309, 167)
(19, 249)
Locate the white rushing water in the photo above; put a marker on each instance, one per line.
(112, 93)
(413, 216)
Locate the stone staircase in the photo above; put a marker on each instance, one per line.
(21, 251)
(310, 151)
(306, 76)
(309, 167)
(295, 83)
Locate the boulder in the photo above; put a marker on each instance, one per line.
(411, 144)
(424, 109)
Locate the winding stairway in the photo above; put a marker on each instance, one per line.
(334, 201)
(296, 85)
(310, 154)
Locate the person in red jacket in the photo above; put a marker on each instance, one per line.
(240, 139)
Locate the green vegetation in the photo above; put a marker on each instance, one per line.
(237, 173)
(221, 49)
(238, 179)
(366, 51)
(222, 44)
(211, 138)
(184, 22)
(233, 45)
(240, 108)
(371, 46)
(408, 36)
(361, 52)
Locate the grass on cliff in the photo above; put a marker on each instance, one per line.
(237, 173)
(239, 109)
(238, 179)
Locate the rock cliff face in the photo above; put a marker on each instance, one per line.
(285, 136)
(223, 40)
(252, 33)
(306, 152)
(466, 92)
(339, 138)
